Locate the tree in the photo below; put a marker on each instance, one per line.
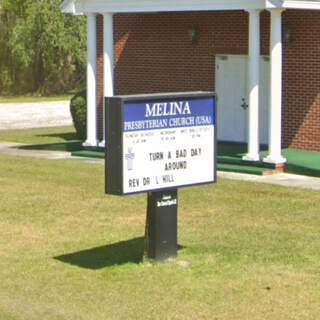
(47, 48)
(9, 10)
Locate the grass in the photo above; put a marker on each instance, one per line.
(68, 251)
(33, 98)
(229, 154)
(55, 138)
(39, 136)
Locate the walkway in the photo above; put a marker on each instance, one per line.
(11, 148)
(283, 179)
(34, 115)
(48, 114)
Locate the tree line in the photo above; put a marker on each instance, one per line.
(41, 50)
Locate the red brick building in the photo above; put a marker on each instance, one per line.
(261, 57)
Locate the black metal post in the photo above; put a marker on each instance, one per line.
(161, 225)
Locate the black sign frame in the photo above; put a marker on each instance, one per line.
(114, 117)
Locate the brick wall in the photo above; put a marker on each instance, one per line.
(301, 97)
(153, 53)
(159, 56)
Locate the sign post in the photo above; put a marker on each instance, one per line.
(161, 241)
(158, 143)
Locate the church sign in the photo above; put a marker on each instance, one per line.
(159, 141)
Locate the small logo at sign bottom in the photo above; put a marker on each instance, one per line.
(167, 203)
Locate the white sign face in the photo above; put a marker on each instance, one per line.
(168, 144)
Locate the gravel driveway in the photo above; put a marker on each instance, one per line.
(34, 115)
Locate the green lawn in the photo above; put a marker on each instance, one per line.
(39, 136)
(68, 251)
(33, 98)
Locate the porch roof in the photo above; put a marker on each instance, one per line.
(114, 6)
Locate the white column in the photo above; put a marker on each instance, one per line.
(253, 85)
(275, 156)
(107, 63)
(91, 81)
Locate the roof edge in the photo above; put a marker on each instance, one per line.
(298, 4)
(68, 6)
(79, 7)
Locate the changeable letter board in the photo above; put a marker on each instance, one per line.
(159, 142)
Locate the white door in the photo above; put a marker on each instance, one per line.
(232, 93)
(231, 89)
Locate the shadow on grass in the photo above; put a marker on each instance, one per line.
(107, 256)
(67, 136)
(58, 146)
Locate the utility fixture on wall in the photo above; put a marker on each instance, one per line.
(194, 34)
(289, 37)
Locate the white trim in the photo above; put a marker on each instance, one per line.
(113, 6)
(170, 5)
(270, 4)
(68, 6)
(108, 54)
(72, 6)
(91, 82)
(107, 64)
(297, 4)
(275, 155)
(253, 86)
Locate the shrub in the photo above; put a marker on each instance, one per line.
(78, 109)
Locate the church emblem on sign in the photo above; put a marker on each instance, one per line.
(130, 157)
